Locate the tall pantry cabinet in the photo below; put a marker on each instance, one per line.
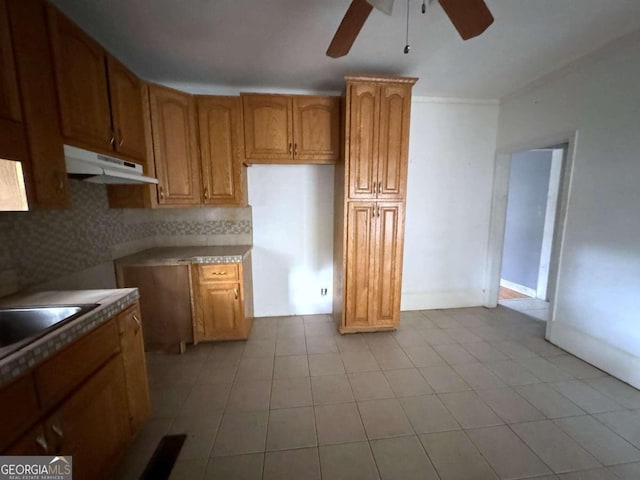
(370, 203)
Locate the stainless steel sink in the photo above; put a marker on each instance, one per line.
(20, 323)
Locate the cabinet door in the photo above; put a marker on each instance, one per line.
(18, 408)
(135, 366)
(363, 140)
(221, 311)
(388, 256)
(220, 144)
(9, 93)
(125, 90)
(92, 425)
(268, 128)
(316, 128)
(36, 77)
(360, 266)
(175, 146)
(393, 150)
(81, 75)
(12, 139)
(34, 442)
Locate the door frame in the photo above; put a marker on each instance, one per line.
(551, 212)
(497, 225)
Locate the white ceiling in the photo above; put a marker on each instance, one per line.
(281, 44)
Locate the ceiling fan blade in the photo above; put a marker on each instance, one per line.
(470, 17)
(349, 28)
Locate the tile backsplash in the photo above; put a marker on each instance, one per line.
(41, 245)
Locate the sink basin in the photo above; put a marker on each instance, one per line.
(20, 323)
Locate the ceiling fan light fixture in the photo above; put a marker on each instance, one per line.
(385, 6)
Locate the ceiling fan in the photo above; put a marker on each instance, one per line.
(469, 17)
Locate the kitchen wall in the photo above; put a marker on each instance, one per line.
(293, 238)
(528, 189)
(74, 248)
(451, 158)
(598, 299)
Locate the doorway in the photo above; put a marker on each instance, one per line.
(532, 201)
(532, 288)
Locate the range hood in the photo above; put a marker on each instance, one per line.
(98, 168)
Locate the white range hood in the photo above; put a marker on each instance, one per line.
(98, 168)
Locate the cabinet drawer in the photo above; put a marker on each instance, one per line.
(219, 273)
(18, 409)
(57, 376)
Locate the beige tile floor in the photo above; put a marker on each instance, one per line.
(452, 394)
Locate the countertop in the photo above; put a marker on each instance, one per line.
(31, 352)
(178, 255)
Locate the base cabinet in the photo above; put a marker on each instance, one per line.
(222, 308)
(90, 425)
(95, 419)
(135, 366)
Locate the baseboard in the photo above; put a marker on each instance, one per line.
(606, 357)
(529, 292)
(434, 300)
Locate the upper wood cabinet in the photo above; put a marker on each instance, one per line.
(175, 146)
(12, 138)
(101, 104)
(316, 129)
(291, 129)
(9, 93)
(268, 127)
(223, 175)
(378, 140)
(127, 110)
(81, 74)
(45, 171)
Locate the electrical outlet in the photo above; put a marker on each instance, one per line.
(323, 292)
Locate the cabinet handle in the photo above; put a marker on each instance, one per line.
(379, 187)
(112, 140)
(121, 142)
(136, 319)
(42, 443)
(60, 183)
(218, 273)
(235, 292)
(295, 149)
(206, 193)
(289, 147)
(373, 211)
(57, 430)
(161, 192)
(378, 211)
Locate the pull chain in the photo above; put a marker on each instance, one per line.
(407, 47)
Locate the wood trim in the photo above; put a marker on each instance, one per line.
(380, 79)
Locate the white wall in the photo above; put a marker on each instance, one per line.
(451, 154)
(598, 291)
(292, 238)
(451, 158)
